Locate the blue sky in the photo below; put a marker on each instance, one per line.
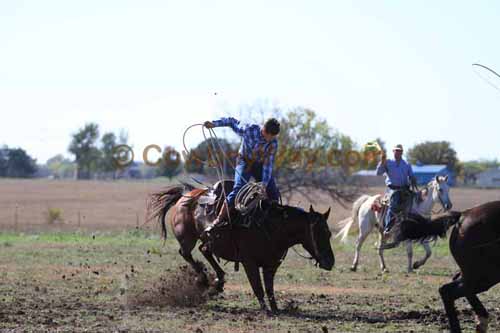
(398, 70)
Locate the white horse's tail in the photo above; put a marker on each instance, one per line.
(346, 224)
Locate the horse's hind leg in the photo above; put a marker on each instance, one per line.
(380, 251)
(481, 313)
(364, 231)
(449, 293)
(219, 283)
(185, 252)
(428, 253)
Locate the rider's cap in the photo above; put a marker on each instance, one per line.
(398, 147)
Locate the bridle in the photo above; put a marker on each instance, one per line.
(442, 209)
(313, 242)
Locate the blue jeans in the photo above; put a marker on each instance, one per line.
(394, 208)
(244, 171)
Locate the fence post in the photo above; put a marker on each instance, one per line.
(16, 218)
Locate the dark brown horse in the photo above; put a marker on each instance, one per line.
(256, 247)
(475, 246)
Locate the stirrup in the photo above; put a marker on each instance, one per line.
(389, 245)
(387, 230)
(209, 228)
(206, 234)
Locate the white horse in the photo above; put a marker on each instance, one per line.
(436, 191)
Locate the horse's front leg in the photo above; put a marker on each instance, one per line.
(409, 253)
(269, 273)
(380, 251)
(428, 253)
(219, 283)
(252, 271)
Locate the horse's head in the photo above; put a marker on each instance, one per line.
(317, 239)
(441, 192)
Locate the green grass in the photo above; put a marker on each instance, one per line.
(83, 281)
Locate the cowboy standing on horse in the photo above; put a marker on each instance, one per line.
(255, 158)
(399, 177)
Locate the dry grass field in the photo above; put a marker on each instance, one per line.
(101, 205)
(95, 272)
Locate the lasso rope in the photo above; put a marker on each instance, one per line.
(489, 70)
(248, 197)
(249, 192)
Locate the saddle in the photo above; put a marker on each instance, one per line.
(250, 208)
(214, 198)
(381, 205)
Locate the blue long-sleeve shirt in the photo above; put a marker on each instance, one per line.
(254, 147)
(396, 174)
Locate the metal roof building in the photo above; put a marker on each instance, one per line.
(425, 173)
(489, 178)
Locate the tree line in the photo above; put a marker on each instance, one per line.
(303, 159)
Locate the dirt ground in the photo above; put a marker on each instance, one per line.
(104, 275)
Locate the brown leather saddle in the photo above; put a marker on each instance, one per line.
(218, 192)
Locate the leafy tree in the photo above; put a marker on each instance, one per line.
(61, 167)
(84, 147)
(313, 156)
(4, 160)
(16, 163)
(108, 143)
(434, 152)
(471, 169)
(170, 163)
(194, 161)
(306, 141)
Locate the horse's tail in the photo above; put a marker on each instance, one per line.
(346, 224)
(158, 203)
(421, 229)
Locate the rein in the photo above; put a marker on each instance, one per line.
(315, 247)
(487, 244)
(301, 255)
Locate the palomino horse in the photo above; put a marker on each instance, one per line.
(475, 246)
(281, 227)
(436, 191)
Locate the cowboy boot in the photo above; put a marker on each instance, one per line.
(223, 214)
(387, 230)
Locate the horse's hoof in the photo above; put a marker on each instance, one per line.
(202, 281)
(385, 270)
(219, 287)
(353, 268)
(416, 265)
(265, 311)
(263, 307)
(219, 284)
(212, 292)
